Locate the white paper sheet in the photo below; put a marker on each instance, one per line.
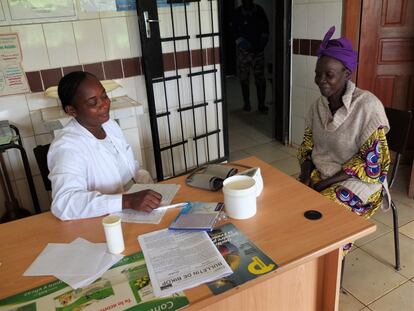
(78, 263)
(168, 191)
(177, 260)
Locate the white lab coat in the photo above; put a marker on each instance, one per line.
(85, 180)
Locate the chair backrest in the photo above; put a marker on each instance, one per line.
(400, 122)
(40, 153)
(397, 137)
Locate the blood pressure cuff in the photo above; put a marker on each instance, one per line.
(210, 177)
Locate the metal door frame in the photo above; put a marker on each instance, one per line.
(149, 81)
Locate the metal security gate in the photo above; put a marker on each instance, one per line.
(181, 63)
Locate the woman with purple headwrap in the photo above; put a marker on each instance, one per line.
(344, 154)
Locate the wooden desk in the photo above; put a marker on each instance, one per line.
(308, 252)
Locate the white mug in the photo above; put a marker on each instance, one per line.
(240, 196)
(113, 233)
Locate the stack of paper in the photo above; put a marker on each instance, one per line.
(177, 260)
(78, 263)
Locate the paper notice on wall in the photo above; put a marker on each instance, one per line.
(12, 77)
(97, 5)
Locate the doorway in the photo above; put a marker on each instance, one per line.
(248, 128)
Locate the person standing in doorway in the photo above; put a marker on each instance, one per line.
(251, 33)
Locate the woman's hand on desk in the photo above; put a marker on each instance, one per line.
(144, 201)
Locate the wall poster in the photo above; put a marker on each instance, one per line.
(12, 77)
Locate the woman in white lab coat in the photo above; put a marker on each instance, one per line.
(90, 162)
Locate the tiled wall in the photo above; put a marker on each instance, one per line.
(106, 43)
(310, 21)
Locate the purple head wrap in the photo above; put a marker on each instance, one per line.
(340, 49)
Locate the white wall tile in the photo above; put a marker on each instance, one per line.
(141, 91)
(333, 17)
(5, 29)
(82, 14)
(297, 130)
(127, 88)
(299, 21)
(128, 123)
(310, 72)
(131, 137)
(61, 45)
(319, 1)
(299, 70)
(164, 24)
(14, 108)
(37, 101)
(134, 35)
(298, 101)
(316, 23)
(16, 160)
(149, 162)
(89, 41)
(116, 38)
(145, 130)
(33, 45)
(37, 122)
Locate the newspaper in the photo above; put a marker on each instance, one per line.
(178, 260)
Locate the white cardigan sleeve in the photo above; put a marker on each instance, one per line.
(71, 197)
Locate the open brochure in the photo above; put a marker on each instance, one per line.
(197, 216)
(126, 286)
(245, 259)
(178, 260)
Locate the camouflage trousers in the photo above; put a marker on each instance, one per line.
(246, 61)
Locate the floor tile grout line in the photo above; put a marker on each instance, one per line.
(388, 292)
(385, 264)
(348, 293)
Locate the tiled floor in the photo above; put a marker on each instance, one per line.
(370, 281)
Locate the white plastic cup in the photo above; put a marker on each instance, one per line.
(240, 196)
(113, 234)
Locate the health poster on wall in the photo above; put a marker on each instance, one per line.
(126, 286)
(12, 77)
(245, 259)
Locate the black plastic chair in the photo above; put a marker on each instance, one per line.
(40, 153)
(397, 138)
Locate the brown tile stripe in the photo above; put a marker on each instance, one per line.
(122, 68)
(306, 46)
(51, 76)
(131, 66)
(113, 69)
(35, 82)
(96, 69)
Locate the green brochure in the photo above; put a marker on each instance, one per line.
(126, 286)
(245, 259)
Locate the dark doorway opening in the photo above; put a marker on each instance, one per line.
(245, 127)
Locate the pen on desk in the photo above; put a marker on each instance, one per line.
(173, 205)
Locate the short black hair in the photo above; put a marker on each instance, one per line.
(69, 84)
